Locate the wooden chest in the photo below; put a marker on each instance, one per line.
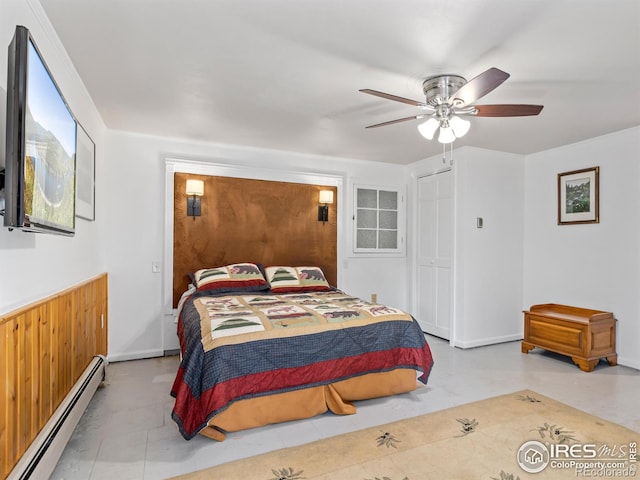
(583, 334)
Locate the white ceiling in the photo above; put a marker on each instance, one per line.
(285, 74)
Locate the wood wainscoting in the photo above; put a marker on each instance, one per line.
(44, 349)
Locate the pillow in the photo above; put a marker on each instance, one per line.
(296, 279)
(237, 277)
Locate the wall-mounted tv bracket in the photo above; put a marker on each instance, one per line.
(2, 191)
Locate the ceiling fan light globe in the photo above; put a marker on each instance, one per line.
(446, 135)
(460, 126)
(428, 128)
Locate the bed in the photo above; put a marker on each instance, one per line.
(261, 346)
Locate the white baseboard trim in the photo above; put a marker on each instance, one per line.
(139, 355)
(488, 341)
(629, 362)
(43, 454)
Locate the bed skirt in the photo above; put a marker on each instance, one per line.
(309, 402)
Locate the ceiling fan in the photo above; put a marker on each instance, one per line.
(451, 97)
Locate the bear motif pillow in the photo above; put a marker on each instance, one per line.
(285, 279)
(238, 277)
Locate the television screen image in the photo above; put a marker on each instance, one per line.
(41, 143)
(50, 138)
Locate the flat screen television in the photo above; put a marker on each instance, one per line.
(40, 145)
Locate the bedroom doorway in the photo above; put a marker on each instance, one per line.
(435, 253)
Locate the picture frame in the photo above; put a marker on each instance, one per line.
(579, 196)
(85, 175)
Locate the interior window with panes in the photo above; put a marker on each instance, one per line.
(377, 220)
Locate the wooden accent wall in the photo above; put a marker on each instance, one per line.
(44, 348)
(259, 221)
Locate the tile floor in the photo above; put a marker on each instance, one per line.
(127, 431)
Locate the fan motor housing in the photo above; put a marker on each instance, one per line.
(439, 88)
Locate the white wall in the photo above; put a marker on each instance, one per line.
(135, 173)
(523, 257)
(488, 265)
(594, 265)
(129, 229)
(489, 261)
(33, 266)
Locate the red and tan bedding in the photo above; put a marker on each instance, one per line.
(257, 358)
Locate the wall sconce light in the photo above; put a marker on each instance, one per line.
(195, 189)
(326, 197)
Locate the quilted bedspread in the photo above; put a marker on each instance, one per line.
(247, 346)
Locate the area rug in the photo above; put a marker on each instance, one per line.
(515, 436)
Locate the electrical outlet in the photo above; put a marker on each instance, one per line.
(155, 267)
(374, 298)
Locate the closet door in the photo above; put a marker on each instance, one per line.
(434, 285)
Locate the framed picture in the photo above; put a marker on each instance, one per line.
(579, 196)
(85, 175)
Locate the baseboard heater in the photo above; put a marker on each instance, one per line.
(43, 454)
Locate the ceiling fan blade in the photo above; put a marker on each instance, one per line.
(507, 110)
(395, 98)
(391, 122)
(478, 87)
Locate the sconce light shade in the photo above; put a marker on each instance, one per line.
(195, 187)
(326, 196)
(194, 190)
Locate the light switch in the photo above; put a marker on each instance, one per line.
(479, 222)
